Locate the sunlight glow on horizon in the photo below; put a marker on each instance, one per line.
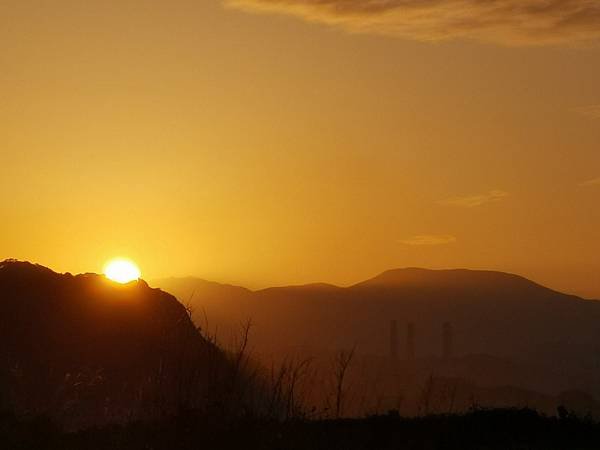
(122, 270)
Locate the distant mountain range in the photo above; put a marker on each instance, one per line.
(493, 313)
(87, 351)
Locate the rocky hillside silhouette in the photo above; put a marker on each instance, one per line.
(542, 331)
(84, 350)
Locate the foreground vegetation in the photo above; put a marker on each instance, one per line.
(478, 429)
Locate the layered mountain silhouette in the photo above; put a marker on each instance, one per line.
(84, 350)
(544, 339)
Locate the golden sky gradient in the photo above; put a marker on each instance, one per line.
(272, 142)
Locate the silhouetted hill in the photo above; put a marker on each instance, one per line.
(504, 315)
(83, 349)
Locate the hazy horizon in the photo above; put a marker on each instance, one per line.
(257, 287)
(260, 286)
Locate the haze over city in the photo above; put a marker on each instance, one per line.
(300, 224)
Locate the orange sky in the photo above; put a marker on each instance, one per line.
(268, 142)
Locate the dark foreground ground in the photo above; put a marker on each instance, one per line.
(480, 429)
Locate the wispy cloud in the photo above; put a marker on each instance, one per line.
(471, 201)
(591, 111)
(593, 182)
(509, 22)
(429, 240)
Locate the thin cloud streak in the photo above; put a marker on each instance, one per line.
(593, 182)
(472, 201)
(591, 111)
(429, 240)
(507, 22)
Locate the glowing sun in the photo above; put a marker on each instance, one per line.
(121, 270)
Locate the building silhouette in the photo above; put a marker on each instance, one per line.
(394, 340)
(410, 341)
(448, 341)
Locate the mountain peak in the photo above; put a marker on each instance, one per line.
(15, 265)
(418, 276)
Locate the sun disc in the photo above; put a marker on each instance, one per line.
(122, 271)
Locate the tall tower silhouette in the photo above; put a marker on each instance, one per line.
(410, 341)
(394, 340)
(448, 338)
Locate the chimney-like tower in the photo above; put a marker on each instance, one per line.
(394, 340)
(410, 341)
(447, 341)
